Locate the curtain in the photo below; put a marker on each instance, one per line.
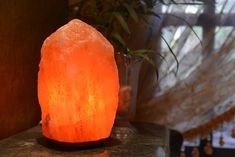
(203, 87)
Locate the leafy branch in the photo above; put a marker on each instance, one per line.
(110, 18)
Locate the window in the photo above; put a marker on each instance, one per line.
(208, 65)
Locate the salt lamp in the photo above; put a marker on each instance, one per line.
(77, 84)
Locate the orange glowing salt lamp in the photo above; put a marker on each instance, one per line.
(77, 84)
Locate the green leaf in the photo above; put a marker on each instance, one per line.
(177, 62)
(150, 61)
(132, 12)
(189, 25)
(141, 51)
(122, 21)
(162, 57)
(147, 58)
(118, 37)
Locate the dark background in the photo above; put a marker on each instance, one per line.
(24, 24)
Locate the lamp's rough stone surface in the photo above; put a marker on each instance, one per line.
(77, 84)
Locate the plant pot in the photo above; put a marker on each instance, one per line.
(128, 69)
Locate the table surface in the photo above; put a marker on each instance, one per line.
(142, 139)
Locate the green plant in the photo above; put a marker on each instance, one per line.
(111, 17)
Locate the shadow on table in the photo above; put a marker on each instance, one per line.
(64, 146)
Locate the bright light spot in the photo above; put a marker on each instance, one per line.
(164, 8)
(191, 9)
(178, 32)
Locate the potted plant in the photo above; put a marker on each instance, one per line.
(112, 18)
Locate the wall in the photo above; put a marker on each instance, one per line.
(24, 25)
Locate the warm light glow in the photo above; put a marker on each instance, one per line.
(77, 84)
